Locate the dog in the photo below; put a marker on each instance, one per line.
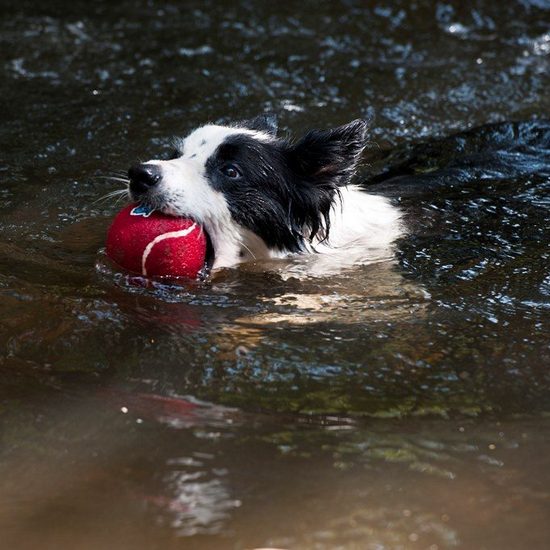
(261, 197)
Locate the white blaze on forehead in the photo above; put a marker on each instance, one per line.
(203, 142)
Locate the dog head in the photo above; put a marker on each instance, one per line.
(255, 195)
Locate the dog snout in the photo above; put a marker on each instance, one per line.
(142, 177)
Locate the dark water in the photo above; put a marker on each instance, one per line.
(398, 405)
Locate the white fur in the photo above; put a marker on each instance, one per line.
(200, 144)
(358, 217)
(363, 229)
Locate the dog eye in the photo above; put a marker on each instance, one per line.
(231, 171)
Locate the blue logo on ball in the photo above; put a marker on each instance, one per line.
(142, 210)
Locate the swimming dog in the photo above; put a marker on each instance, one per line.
(259, 197)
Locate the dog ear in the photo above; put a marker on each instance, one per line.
(263, 123)
(330, 156)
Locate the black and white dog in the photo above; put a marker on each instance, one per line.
(261, 197)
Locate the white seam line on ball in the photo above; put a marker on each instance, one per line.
(158, 239)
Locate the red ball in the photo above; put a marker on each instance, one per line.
(155, 245)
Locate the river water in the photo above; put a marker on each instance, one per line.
(399, 405)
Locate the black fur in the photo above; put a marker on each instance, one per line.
(284, 187)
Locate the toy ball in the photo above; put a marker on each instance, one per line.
(152, 244)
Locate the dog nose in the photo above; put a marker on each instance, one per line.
(143, 177)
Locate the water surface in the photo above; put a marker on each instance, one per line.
(402, 404)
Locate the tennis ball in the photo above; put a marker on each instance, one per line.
(152, 244)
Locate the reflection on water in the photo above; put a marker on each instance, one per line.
(149, 468)
(401, 404)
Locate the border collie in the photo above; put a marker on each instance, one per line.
(260, 197)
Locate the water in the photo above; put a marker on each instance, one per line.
(397, 405)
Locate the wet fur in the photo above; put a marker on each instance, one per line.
(292, 197)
